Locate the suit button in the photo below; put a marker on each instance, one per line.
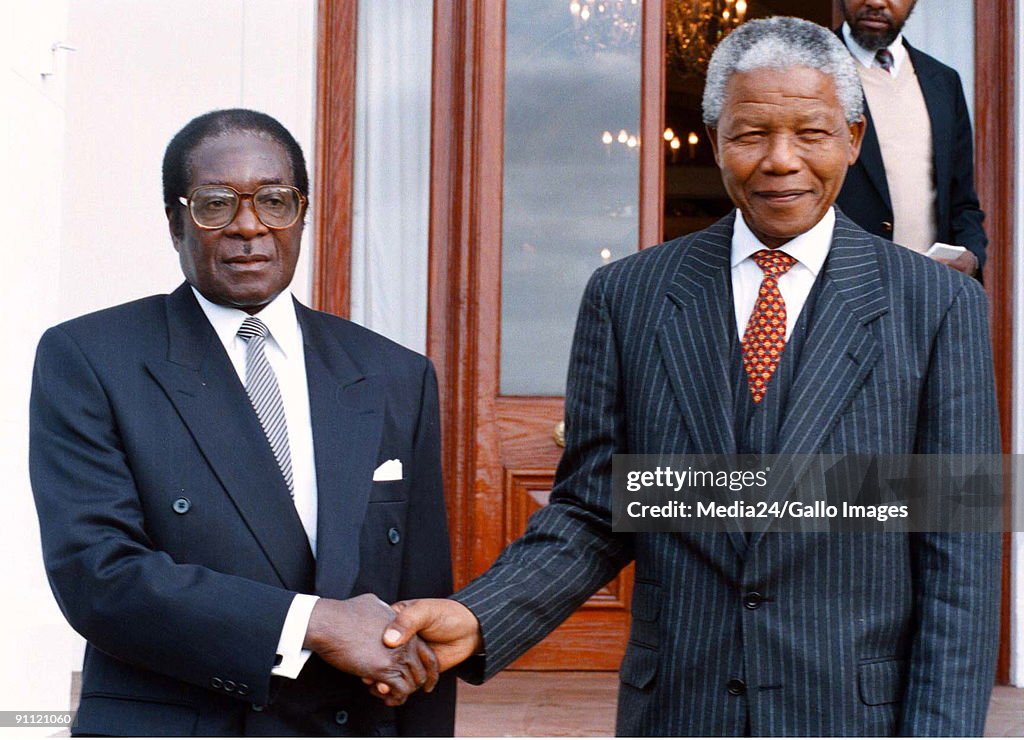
(216, 683)
(243, 689)
(393, 536)
(181, 505)
(887, 227)
(230, 686)
(341, 717)
(736, 687)
(753, 600)
(257, 707)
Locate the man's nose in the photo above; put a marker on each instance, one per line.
(877, 4)
(782, 157)
(245, 223)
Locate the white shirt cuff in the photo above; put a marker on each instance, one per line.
(289, 648)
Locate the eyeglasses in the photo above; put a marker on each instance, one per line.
(215, 206)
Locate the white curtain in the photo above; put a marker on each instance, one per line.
(945, 29)
(392, 169)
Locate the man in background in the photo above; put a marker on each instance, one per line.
(914, 181)
(224, 477)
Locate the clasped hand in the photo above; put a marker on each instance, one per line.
(347, 635)
(395, 650)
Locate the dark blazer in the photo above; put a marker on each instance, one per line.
(170, 539)
(853, 634)
(958, 215)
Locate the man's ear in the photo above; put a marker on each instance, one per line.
(857, 129)
(174, 225)
(713, 138)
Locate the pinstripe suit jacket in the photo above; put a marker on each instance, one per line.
(859, 634)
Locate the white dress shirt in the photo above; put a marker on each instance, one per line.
(809, 250)
(284, 351)
(867, 58)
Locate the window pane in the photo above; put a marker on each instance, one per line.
(572, 111)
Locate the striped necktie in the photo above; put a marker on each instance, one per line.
(265, 395)
(885, 59)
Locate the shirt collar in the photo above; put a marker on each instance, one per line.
(278, 315)
(809, 249)
(867, 58)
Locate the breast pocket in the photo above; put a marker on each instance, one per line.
(390, 491)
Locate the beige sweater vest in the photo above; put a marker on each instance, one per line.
(905, 136)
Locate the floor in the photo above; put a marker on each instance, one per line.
(574, 704)
(582, 704)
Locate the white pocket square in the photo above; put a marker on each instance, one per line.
(388, 470)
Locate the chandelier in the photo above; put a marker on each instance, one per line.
(604, 24)
(694, 29)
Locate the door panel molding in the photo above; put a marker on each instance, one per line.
(335, 133)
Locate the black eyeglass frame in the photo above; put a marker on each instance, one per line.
(187, 202)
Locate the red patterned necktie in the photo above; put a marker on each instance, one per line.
(765, 337)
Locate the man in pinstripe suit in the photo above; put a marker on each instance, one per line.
(884, 351)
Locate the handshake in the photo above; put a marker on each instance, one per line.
(396, 650)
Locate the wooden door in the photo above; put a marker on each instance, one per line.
(529, 198)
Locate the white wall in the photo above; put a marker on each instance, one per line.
(34, 639)
(83, 216)
(945, 29)
(142, 70)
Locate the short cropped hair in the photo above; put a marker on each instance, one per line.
(782, 43)
(177, 167)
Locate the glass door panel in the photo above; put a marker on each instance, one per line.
(571, 173)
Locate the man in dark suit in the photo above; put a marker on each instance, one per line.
(224, 477)
(783, 328)
(914, 180)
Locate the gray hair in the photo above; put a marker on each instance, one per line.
(782, 43)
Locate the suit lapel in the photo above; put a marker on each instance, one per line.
(839, 353)
(201, 383)
(347, 413)
(870, 159)
(841, 348)
(936, 100)
(695, 339)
